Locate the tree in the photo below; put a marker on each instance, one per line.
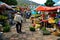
(10, 2)
(49, 3)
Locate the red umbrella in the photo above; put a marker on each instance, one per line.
(58, 7)
(45, 8)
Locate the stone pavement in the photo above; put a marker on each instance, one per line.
(28, 35)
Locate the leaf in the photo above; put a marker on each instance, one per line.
(49, 3)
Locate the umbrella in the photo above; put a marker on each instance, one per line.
(45, 8)
(57, 4)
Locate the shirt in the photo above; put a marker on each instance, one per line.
(18, 18)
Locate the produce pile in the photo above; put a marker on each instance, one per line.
(4, 22)
(52, 22)
(6, 28)
(2, 17)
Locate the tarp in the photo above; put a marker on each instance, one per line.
(33, 12)
(45, 8)
(2, 4)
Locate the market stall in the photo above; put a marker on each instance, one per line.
(48, 19)
(3, 16)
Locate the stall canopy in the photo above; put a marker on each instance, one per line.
(45, 8)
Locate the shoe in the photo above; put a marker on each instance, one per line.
(17, 32)
(22, 32)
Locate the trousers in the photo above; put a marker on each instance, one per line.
(18, 27)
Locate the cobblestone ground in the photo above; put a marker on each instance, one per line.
(28, 35)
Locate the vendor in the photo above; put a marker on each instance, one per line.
(32, 19)
(42, 16)
(50, 22)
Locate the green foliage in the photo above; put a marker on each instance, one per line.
(32, 29)
(43, 29)
(56, 21)
(6, 28)
(10, 2)
(2, 17)
(46, 32)
(49, 3)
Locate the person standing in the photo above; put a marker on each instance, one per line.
(18, 19)
(28, 14)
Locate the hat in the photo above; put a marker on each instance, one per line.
(18, 13)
